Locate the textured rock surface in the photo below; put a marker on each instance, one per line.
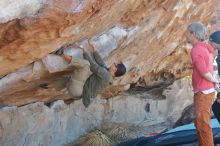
(22, 87)
(187, 117)
(148, 36)
(58, 123)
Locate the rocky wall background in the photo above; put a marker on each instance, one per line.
(148, 36)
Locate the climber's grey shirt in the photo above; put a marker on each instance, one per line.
(100, 78)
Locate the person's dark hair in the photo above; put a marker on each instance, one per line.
(121, 70)
(215, 37)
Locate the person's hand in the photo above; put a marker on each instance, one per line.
(81, 47)
(92, 43)
(217, 87)
(217, 83)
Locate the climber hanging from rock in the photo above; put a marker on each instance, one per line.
(78, 85)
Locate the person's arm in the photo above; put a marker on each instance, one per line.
(96, 55)
(94, 67)
(97, 69)
(208, 76)
(98, 59)
(201, 66)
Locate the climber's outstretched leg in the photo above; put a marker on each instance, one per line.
(75, 82)
(78, 78)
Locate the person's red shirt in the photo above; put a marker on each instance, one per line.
(202, 62)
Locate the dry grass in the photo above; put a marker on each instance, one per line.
(95, 138)
(109, 135)
(121, 131)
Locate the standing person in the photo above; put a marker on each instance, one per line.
(214, 40)
(202, 81)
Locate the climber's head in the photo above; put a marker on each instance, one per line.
(117, 69)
